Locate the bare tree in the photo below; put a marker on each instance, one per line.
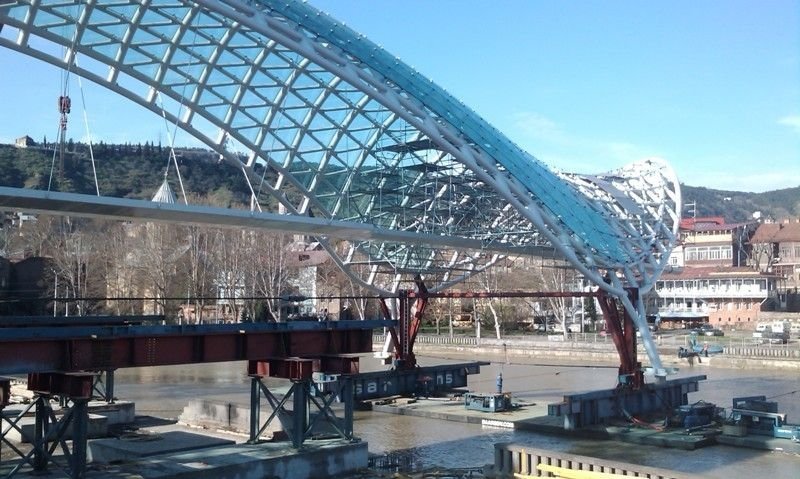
(199, 267)
(77, 249)
(158, 249)
(558, 276)
(121, 271)
(233, 253)
(269, 269)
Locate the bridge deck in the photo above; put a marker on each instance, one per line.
(87, 348)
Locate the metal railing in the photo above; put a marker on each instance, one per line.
(740, 347)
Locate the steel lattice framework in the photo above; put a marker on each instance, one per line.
(339, 130)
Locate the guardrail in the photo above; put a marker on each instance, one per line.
(732, 347)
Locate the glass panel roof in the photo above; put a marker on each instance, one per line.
(328, 111)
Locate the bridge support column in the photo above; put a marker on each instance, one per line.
(103, 386)
(80, 435)
(623, 334)
(310, 412)
(255, 408)
(299, 412)
(49, 430)
(409, 320)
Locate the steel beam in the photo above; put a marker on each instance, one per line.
(31, 350)
(423, 380)
(596, 407)
(72, 321)
(296, 369)
(126, 209)
(504, 294)
(72, 385)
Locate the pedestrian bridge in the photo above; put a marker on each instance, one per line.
(348, 140)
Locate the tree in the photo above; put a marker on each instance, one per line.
(269, 272)
(157, 251)
(590, 311)
(77, 251)
(558, 276)
(199, 266)
(232, 259)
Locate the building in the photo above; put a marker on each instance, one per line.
(26, 286)
(709, 280)
(710, 241)
(776, 249)
(721, 296)
(24, 142)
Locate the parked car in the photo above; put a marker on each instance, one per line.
(706, 329)
(775, 337)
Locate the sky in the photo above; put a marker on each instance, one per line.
(712, 87)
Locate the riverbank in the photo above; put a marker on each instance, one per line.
(595, 349)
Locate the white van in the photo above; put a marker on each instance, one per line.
(780, 326)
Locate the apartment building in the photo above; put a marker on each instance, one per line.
(709, 280)
(722, 296)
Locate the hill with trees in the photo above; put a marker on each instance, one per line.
(123, 170)
(737, 206)
(137, 170)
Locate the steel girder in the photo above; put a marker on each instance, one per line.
(332, 126)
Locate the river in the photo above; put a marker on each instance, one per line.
(163, 391)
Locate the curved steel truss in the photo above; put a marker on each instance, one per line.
(334, 127)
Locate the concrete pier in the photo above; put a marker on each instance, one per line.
(534, 418)
(174, 451)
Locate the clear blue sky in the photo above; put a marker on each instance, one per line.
(713, 87)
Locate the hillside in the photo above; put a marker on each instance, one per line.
(131, 171)
(737, 206)
(136, 171)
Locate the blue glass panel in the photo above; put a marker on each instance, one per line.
(564, 203)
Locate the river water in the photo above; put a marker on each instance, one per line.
(163, 391)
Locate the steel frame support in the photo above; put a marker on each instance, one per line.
(103, 386)
(299, 422)
(300, 410)
(49, 434)
(409, 320)
(623, 334)
(5, 392)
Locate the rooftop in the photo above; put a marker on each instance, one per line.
(708, 223)
(777, 232)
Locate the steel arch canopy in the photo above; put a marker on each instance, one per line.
(334, 127)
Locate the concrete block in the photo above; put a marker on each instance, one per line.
(120, 412)
(137, 446)
(225, 416)
(316, 460)
(97, 427)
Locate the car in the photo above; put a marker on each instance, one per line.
(775, 337)
(706, 329)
